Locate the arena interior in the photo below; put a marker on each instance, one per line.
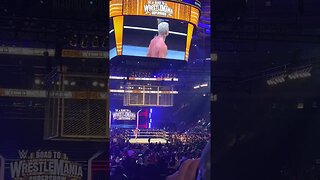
(82, 98)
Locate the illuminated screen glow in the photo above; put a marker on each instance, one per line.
(123, 114)
(134, 25)
(138, 31)
(130, 118)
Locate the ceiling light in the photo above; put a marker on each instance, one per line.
(74, 40)
(37, 81)
(94, 83)
(73, 83)
(84, 41)
(104, 42)
(300, 105)
(95, 42)
(65, 82)
(101, 84)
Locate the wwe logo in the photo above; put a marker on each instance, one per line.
(23, 154)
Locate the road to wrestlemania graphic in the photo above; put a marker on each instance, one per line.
(158, 8)
(45, 165)
(123, 114)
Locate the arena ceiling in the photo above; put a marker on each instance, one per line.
(249, 37)
(253, 37)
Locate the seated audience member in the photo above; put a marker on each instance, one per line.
(195, 169)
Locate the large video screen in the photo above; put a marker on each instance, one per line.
(157, 29)
(123, 118)
(141, 38)
(130, 118)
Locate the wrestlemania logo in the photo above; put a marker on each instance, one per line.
(156, 8)
(45, 165)
(123, 114)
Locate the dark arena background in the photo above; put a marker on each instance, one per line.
(266, 78)
(53, 90)
(86, 93)
(64, 103)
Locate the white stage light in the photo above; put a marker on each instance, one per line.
(101, 84)
(37, 81)
(95, 83)
(73, 83)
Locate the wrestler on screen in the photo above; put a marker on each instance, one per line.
(157, 47)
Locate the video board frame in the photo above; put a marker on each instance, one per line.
(154, 8)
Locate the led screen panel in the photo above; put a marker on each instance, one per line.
(139, 31)
(135, 29)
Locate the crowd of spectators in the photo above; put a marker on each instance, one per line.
(152, 161)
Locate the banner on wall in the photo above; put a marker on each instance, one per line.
(35, 165)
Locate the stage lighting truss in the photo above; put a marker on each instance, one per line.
(141, 95)
(143, 78)
(201, 86)
(83, 41)
(300, 73)
(277, 79)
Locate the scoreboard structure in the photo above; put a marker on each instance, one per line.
(172, 10)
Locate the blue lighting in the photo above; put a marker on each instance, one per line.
(204, 18)
(150, 119)
(206, 26)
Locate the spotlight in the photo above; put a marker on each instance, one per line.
(37, 81)
(104, 42)
(302, 73)
(66, 82)
(277, 79)
(300, 105)
(84, 42)
(43, 1)
(95, 42)
(101, 84)
(95, 83)
(74, 41)
(73, 83)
